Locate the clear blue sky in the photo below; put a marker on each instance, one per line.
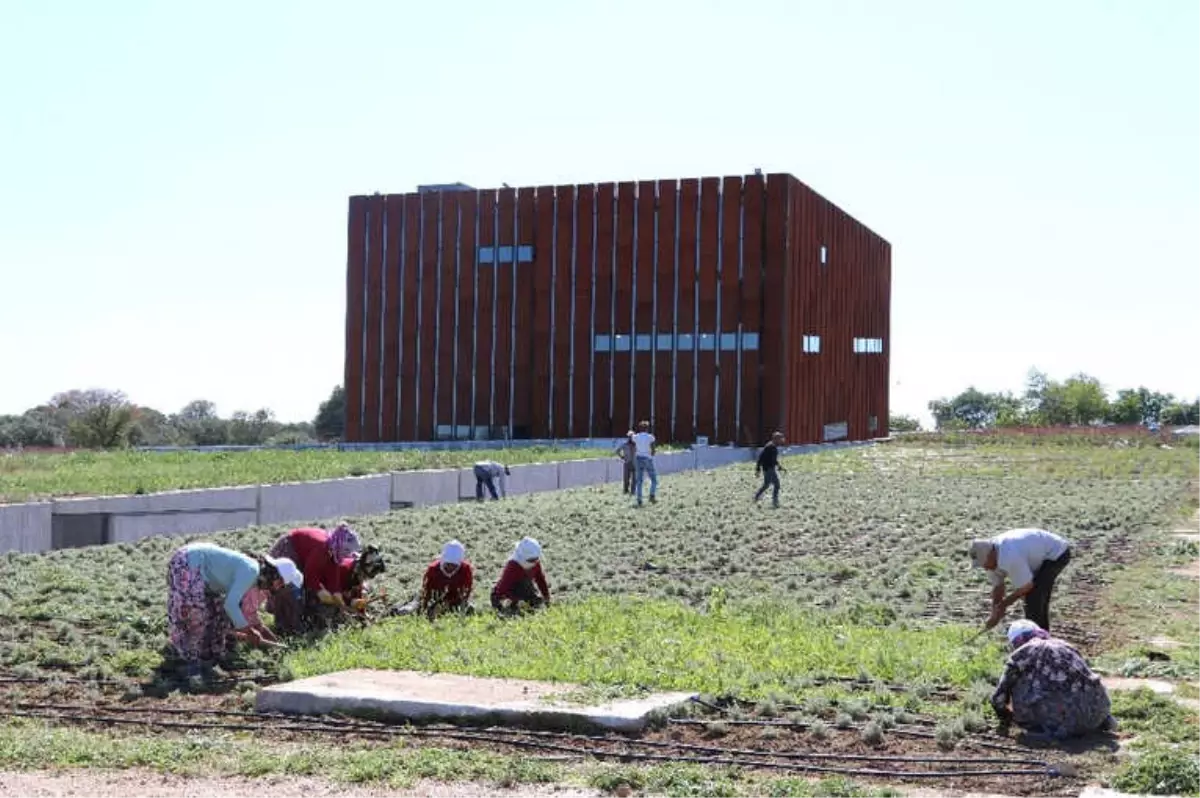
(174, 178)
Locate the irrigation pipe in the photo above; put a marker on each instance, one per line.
(731, 757)
(293, 722)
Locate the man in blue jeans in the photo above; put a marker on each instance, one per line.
(644, 450)
(486, 474)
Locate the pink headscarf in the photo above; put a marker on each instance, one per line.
(343, 543)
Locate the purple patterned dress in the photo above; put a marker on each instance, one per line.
(1052, 689)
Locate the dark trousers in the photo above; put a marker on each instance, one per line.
(1037, 601)
(770, 480)
(627, 482)
(484, 479)
(525, 591)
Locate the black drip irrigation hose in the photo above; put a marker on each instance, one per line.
(624, 756)
(511, 737)
(392, 730)
(786, 724)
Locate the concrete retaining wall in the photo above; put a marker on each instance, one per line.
(67, 523)
(125, 519)
(25, 527)
(424, 488)
(327, 498)
(577, 473)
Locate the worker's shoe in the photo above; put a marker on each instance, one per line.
(653, 499)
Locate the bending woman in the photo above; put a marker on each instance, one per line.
(213, 592)
(1053, 691)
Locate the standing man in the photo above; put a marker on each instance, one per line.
(487, 472)
(768, 465)
(644, 450)
(1032, 559)
(627, 452)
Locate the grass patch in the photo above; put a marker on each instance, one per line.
(1155, 718)
(32, 745)
(636, 643)
(29, 477)
(1161, 771)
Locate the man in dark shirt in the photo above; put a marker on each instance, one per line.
(768, 466)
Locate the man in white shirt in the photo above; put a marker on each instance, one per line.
(644, 450)
(1031, 559)
(487, 473)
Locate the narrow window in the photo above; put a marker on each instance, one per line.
(603, 343)
(685, 342)
(644, 342)
(506, 254)
(525, 253)
(486, 254)
(824, 255)
(664, 342)
(708, 342)
(858, 346)
(749, 342)
(728, 342)
(812, 344)
(621, 343)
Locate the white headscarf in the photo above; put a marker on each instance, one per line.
(526, 551)
(287, 570)
(453, 553)
(1022, 628)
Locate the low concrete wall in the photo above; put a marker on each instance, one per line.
(66, 523)
(25, 527)
(577, 473)
(185, 512)
(718, 456)
(533, 478)
(425, 488)
(674, 462)
(325, 499)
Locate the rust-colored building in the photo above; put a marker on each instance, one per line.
(717, 307)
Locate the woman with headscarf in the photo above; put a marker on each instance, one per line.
(446, 586)
(1052, 690)
(214, 593)
(521, 574)
(334, 567)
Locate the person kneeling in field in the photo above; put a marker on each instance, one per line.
(1054, 694)
(446, 587)
(214, 593)
(334, 568)
(517, 582)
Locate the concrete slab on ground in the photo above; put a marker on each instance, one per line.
(450, 697)
(1128, 683)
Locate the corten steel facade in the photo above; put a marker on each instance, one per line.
(718, 307)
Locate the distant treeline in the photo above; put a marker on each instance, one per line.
(103, 419)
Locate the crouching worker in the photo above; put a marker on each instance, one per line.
(446, 586)
(214, 593)
(517, 582)
(1053, 692)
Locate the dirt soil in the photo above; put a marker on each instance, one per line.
(145, 783)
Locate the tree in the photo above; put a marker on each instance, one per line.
(30, 429)
(1180, 414)
(1084, 400)
(1138, 407)
(96, 418)
(903, 424)
(199, 424)
(330, 423)
(246, 429)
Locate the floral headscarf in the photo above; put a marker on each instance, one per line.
(343, 543)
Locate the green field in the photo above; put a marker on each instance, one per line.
(861, 573)
(36, 476)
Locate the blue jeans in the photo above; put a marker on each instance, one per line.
(645, 465)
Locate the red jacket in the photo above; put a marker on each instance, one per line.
(513, 574)
(315, 562)
(454, 590)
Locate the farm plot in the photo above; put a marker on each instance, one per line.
(858, 582)
(36, 476)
